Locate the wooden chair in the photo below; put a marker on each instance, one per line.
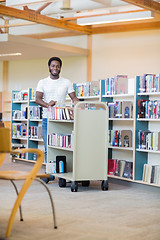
(5, 147)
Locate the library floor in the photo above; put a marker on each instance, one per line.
(126, 211)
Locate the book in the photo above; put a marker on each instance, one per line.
(117, 168)
(141, 108)
(128, 170)
(111, 166)
(94, 88)
(24, 131)
(71, 113)
(121, 84)
(122, 165)
(127, 109)
(126, 138)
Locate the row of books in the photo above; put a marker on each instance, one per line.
(149, 109)
(20, 96)
(120, 138)
(149, 140)
(151, 173)
(20, 114)
(116, 85)
(35, 132)
(35, 112)
(61, 113)
(60, 140)
(19, 130)
(87, 89)
(121, 168)
(149, 83)
(120, 109)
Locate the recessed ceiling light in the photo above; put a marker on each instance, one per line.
(10, 54)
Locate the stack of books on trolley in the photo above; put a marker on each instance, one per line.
(120, 109)
(149, 109)
(120, 168)
(149, 140)
(149, 83)
(61, 113)
(60, 140)
(151, 173)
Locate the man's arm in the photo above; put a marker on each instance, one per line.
(39, 100)
(73, 97)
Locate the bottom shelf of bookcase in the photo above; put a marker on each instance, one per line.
(25, 160)
(121, 178)
(146, 183)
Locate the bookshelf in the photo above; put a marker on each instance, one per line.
(147, 151)
(120, 154)
(143, 127)
(26, 123)
(86, 158)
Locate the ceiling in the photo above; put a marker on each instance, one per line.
(25, 23)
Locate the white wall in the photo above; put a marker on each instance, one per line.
(26, 74)
(132, 53)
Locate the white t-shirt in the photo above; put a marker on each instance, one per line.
(55, 90)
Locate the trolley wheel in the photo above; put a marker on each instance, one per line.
(104, 185)
(74, 187)
(62, 182)
(85, 183)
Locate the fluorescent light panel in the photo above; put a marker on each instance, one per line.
(121, 17)
(10, 54)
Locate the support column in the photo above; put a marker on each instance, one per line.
(89, 59)
(6, 97)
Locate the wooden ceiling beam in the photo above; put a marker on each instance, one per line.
(56, 34)
(147, 4)
(126, 27)
(35, 17)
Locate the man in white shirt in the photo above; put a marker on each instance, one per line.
(51, 90)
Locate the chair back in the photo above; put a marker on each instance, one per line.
(5, 139)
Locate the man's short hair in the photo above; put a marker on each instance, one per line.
(54, 59)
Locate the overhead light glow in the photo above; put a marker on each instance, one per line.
(10, 54)
(122, 17)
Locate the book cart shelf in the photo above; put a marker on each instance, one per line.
(146, 155)
(24, 117)
(87, 158)
(118, 152)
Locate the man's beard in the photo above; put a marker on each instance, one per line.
(54, 75)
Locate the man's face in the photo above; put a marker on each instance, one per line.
(55, 69)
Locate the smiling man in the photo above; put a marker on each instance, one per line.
(51, 90)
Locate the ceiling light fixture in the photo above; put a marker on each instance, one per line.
(121, 17)
(66, 5)
(10, 54)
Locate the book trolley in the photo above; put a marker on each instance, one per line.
(87, 157)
